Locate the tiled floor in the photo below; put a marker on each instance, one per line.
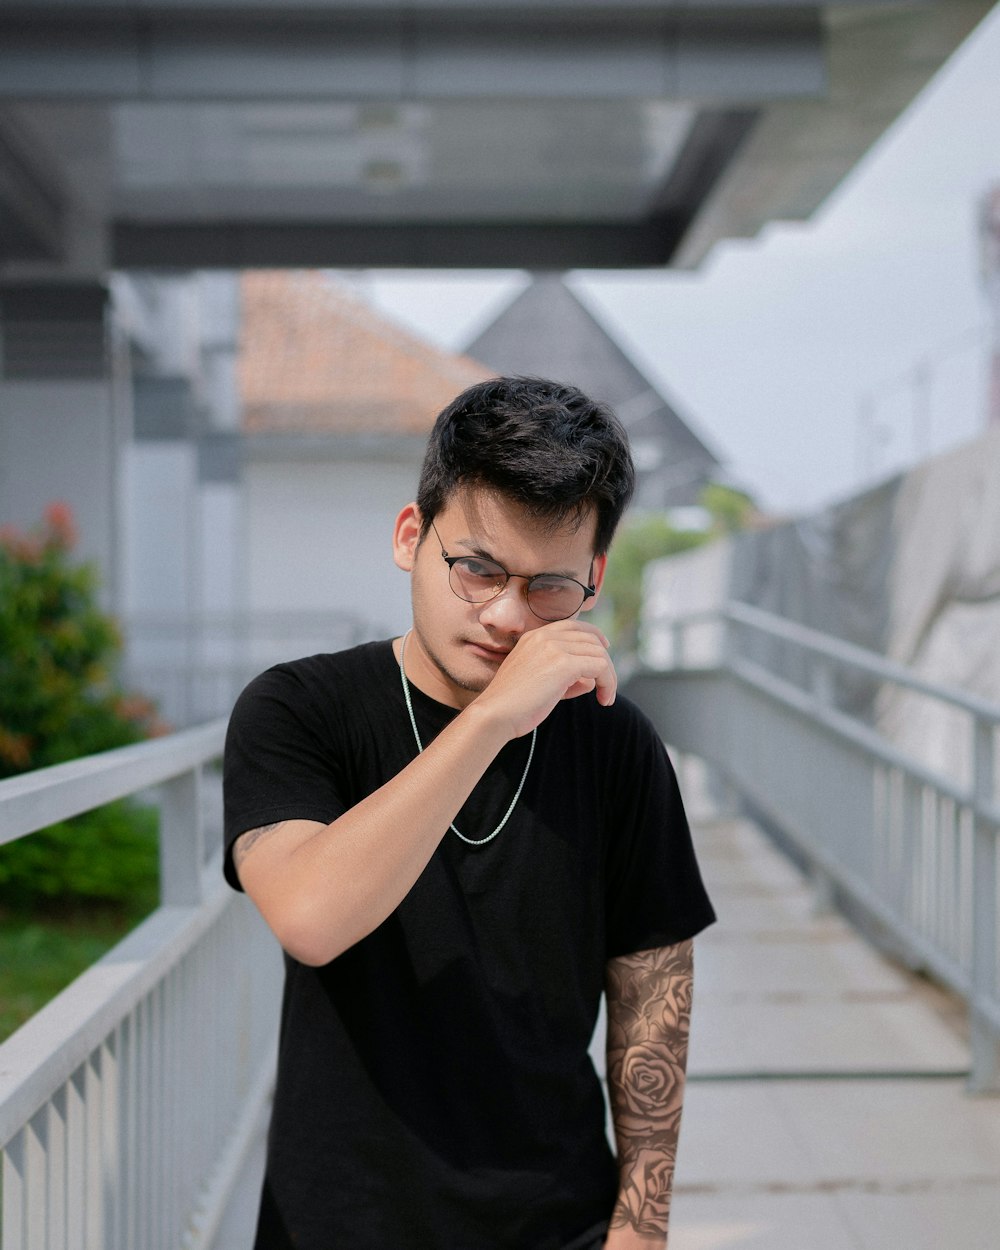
(827, 1108)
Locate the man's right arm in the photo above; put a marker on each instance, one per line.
(321, 888)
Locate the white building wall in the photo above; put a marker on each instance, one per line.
(161, 557)
(57, 442)
(320, 539)
(160, 562)
(683, 585)
(220, 577)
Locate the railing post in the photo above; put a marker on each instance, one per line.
(985, 1074)
(822, 680)
(824, 891)
(182, 849)
(727, 639)
(677, 642)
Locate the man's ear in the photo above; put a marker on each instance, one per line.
(406, 536)
(600, 565)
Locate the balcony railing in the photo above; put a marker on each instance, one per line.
(789, 720)
(194, 665)
(127, 1104)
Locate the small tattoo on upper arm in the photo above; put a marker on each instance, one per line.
(245, 841)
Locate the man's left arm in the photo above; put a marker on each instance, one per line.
(649, 1018)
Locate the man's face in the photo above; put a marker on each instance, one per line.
(456, 648)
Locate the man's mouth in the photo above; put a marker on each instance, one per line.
(492, 653)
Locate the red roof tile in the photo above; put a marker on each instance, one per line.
(314, 357)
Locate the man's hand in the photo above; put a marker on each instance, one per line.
(561, 660)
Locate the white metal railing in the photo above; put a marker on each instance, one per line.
(193, 665)
(127, 1104)
(914, 848)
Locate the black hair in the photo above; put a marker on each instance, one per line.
(544, 445)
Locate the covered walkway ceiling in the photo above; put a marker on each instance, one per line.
(551, 135)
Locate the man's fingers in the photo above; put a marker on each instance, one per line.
(583, 686)
(607, 688)
(559, 661)
(605, 683)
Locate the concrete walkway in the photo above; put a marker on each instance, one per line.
(826, 1108)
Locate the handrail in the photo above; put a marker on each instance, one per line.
(857, 657)
(128, 1102)
(244, 625)
(826, 645)
(45, 1051)
(914, 847)
(863, 736)
(34, 800)
(194, 665)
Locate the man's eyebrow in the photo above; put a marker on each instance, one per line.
(476, 550)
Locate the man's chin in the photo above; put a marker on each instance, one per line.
(474, 679)
(467, 669)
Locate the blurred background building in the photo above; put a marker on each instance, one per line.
(232, 457)
(550, 137)
(546, 332)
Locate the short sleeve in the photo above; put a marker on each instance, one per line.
(655, 895)
(280, 761)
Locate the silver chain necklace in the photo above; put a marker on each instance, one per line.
(420, 746)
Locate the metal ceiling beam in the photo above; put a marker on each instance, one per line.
(32, 213)
(780, 98)
(649, 241)
(714, 139)
(451, 9)
(745, 56)
(245, 245)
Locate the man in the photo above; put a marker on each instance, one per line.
(459, 838)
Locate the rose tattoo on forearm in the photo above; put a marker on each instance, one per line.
(649, 1020)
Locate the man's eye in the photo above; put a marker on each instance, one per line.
(482, 569)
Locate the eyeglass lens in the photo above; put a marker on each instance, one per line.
(550, 597)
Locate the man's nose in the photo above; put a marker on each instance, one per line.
(508, 612)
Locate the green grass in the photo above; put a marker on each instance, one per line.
(67, 895)
(43, 950)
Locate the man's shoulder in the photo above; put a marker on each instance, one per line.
(623, 717)
(622, 735)
(325, 675)
(364, 659)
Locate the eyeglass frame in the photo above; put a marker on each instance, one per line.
(588, 591)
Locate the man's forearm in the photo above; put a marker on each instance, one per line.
(322, 888)
(649, 1016)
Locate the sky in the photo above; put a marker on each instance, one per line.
(819, 357)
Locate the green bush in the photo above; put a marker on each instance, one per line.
(59, 701)
(652, 536)
(731, 510)
(105, 856)
(639, 540)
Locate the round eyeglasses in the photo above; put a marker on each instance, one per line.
(550, 597)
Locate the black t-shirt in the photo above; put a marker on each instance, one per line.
(435, 1090)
